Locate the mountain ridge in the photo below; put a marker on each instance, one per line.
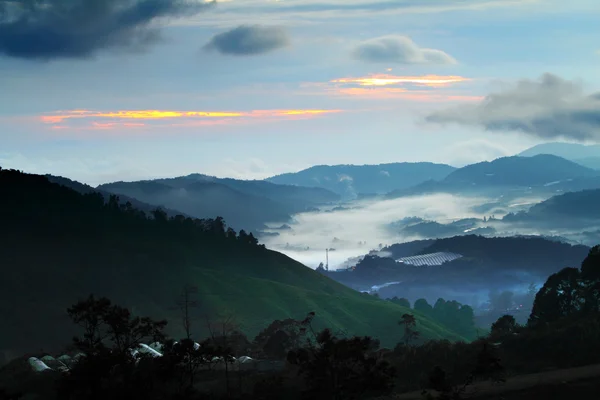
(349, 180)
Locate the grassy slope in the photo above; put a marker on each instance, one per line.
(254, 303)
(88, 250)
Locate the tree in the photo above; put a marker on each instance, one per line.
(409, 323)
(423, 306)
(89, 314)
(342, 369)
(283, 336)
(401, 302)
(185, 304)
(109, 369)
(590, 273)
(562, 295)
(503, 327)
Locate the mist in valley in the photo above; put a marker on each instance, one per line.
(357, 227)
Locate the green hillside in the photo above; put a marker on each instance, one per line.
(59, 245)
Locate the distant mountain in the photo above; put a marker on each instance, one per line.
(296, 197)
(586, 155)
(244, 204)
(486, 263)
(513, 253)
(541, 170)
(87, 189)
(351, 180)
(519, 171)
(571, 206)
(59, 245)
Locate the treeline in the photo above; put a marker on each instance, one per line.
(27, 211)
(456, 316)
(319, 365)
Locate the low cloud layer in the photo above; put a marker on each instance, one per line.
(248, 40)
(51, 29)
(547, 108)
(362, 227)
(399, 50)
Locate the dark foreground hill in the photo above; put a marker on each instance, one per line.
(244, 204)
(58, 246)
(351, 180)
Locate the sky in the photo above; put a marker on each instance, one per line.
(107, 90)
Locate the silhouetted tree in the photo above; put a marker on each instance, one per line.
(503, 327)
(282, 336)
(409, 323)
(109, 368)
(562, 295)
(336, 369)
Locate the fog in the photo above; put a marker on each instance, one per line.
(362, 227)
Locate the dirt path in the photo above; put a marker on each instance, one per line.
(519, 383)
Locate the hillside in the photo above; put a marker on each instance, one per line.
(520, 171)
(487, 265)
(206, 200)
(572, 206)
(512, 252)
(244, 204)
(544, 173)
(351, 180)
(86, 189)
(75, 244)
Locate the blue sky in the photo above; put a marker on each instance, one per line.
(276, 56)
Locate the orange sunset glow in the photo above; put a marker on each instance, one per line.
(149, 115)
(386, 80)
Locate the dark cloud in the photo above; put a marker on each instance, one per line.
(548, 108)
(50, 29)
(248, 40)
(399, 50)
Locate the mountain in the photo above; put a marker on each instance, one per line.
(484, 265)
(571, 206)
(519, 171)
(59, 246)
(299, 198)
(514, 252)
(586, 155)
(516, 172)
(244, 204)
(87, 189)
(351, 180)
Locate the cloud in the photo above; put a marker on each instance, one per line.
(247, 40)
(363, 222)
(474, 151)
(387, 80)
(51, 29)
(144, 118)
(400, 50)
(424, 88)
(548, 108)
